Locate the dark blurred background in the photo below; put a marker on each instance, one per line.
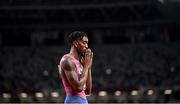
(136, 46)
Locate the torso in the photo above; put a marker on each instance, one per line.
(68, 88)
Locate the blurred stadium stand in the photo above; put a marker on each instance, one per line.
(136, 45)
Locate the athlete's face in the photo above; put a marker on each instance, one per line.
(82, 45)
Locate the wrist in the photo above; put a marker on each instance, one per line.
(86, 67)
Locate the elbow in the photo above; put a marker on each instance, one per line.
(88, 93)
(79, 89)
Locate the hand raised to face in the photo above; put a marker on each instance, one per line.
(87, 59)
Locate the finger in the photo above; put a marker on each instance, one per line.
(87, 55)
(91, 54)
(88, 50)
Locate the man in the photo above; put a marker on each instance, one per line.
(75, 69)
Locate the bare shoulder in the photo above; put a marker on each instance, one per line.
(67, 63)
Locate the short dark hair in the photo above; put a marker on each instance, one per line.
(76, 35)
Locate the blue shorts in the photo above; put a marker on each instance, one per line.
(75, 100)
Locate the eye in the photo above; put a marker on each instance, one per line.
(85, 43)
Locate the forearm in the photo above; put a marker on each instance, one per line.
(83, 79)
(89, 83)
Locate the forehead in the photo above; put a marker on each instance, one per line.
(84, 39)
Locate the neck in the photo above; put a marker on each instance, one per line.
(74, 52)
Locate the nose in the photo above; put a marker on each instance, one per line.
(86, 46)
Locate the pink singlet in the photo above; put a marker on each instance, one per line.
(68, 88)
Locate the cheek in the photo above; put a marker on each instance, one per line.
(81, 46)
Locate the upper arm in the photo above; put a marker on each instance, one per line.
(69, 68)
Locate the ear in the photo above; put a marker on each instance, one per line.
(75, 43)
